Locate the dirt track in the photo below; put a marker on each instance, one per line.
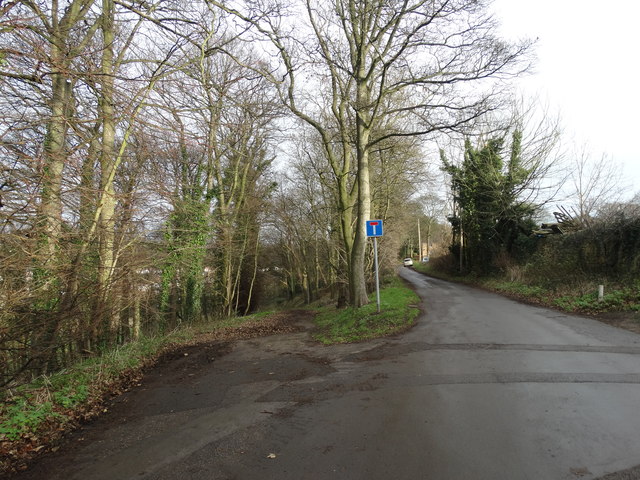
(215, 375)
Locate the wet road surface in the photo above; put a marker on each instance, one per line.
(481, 388)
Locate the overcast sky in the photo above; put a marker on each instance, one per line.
(588, 70)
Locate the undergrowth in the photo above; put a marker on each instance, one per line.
(624, 299)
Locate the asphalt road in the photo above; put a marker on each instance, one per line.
(482, 388)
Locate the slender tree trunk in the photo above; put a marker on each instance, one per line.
(47, 269)
(106, 316)
(55, 157)
(254, 273)
(134, 313)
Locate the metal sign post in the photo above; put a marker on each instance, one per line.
(374, 229)
(375, 253)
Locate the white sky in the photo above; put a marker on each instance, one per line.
(588, 70)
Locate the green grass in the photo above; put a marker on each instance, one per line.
(625, 299)
(23, 417)
(398, 311)
(532, 292)
(422, 267)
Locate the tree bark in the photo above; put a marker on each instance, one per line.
(105, 314)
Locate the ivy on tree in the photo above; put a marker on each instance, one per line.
(490, 218)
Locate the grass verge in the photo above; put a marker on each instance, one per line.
(398, 311)
(571, 297)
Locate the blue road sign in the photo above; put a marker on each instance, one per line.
(374, 228)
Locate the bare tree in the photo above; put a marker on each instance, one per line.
(595, 183)
(212, 120)
(72, 89)
(376, 70)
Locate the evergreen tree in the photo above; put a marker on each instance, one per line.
(490, 218)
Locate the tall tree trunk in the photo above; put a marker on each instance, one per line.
(363, 128)
(106, 308)
(254, 271)
(47, 269)
(55, 157)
